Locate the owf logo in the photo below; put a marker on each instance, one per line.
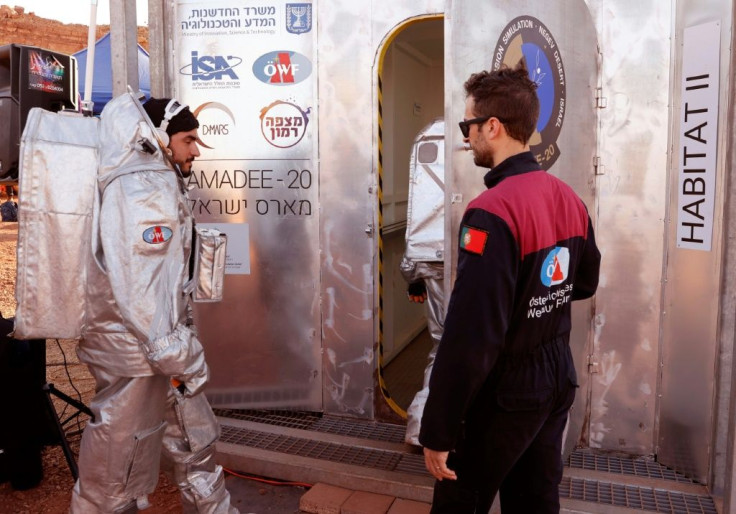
(157, 235)
(282, 68)
(284, 124)
(211, 67)
(216, 122)
(555, 267)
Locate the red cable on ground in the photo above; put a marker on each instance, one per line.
(265, 481)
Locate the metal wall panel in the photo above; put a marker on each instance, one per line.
(635, 48)
(475, 33)
(249, 72)
(696, 372)
(349, 39)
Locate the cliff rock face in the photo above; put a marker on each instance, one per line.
(19, 27)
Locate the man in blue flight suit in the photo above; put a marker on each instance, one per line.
(504, 379)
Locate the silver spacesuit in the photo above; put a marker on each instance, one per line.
(425, 241)
(139, 335)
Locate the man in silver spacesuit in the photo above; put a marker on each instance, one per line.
(422, 264)
(139, 340)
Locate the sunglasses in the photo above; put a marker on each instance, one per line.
(465, 124)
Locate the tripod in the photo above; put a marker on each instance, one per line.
(60, 424)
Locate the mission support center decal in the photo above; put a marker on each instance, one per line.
(527, 38)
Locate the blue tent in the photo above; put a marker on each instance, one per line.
(102, 81)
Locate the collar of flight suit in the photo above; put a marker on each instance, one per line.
(523, 162)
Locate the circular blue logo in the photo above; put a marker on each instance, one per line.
(527, 38)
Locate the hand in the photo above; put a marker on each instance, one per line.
(194, 383)
(417, 292)
(436, 463)
(180, 355)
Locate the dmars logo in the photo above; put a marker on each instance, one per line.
(282, 68)
(211, 67)
(217, 121)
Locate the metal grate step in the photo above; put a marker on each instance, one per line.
(633, 497)
(633, 466)
(642, 485)
(332, 452)
(375, 431)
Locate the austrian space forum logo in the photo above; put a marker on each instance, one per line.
(527, 38)
(556, 267)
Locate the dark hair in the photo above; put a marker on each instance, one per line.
(508, 94)
(184, 121)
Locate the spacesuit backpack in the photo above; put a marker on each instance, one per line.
(58, 188)
(57, 181)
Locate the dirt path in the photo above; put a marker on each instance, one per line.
(68, 375)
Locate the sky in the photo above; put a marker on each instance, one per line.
(75, 11)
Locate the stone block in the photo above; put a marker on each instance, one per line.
(361, 502)
(401, 506)
(324, 499)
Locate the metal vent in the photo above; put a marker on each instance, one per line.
(642, 498)
(412, 464)
(341, 453)
(640, 466)
(300, 420)
(364, 430)
(316, 423)
(295, 398)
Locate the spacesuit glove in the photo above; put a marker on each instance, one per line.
(179, 355)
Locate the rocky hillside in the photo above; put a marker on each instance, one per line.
(25, 28)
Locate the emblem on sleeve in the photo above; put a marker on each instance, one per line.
(473, 240)
(157, 235)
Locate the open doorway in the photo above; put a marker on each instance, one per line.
(411, 93)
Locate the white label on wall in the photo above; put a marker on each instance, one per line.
(696, 158)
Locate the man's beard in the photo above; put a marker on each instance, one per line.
(186, 169)
(483, 160)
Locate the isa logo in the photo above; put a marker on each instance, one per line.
(282, 68)
(298, 18)
(208, 68)
(556, 267)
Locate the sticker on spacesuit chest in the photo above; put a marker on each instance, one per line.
(157, 235)
(473, 240)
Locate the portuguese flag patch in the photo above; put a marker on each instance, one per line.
(473, 240)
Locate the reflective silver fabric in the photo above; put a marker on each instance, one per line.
(432, 273)
(57, 179)
(138, 337)
(146, 420)
(134, 290)
(209, 265)
(425, 241)
(425, 225)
